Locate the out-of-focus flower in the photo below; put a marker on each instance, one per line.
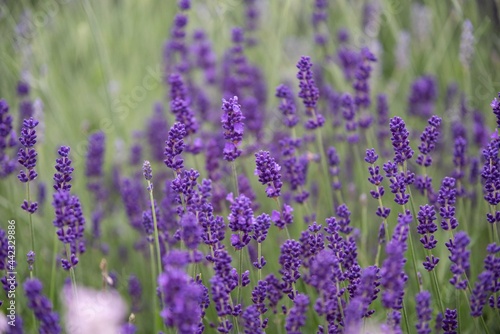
(92, 311)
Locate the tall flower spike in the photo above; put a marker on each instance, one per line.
(27, 158)
(268, 172)
(460, 259)
(7, 140)
(232, 123)
(287, 105)
(309, 93)
(174, 147)
(64, 170)
(297, 316)
(424, 312)
(466, 43)
(400, 141)
(422, 99)
(41, 307)
(241, 220)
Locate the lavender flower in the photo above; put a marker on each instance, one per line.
(95, 155)
(174, 147)
(269, 173)
(334, 163)
(180, 106)
(157, 132)
(424, 312)
(252, 322)
(349, 114)
(309, 93)
(459, 258)
(446, 199)
(495, 106)
(287, 105)
(422, 97)
(241, 220)
(290, 262)
(450, 322)
(361, 85)
(135, 292)
(232, 123)
(400, 141)
(297, 316)
(428, 141)
(64, 170)
(466, 43)
(376, 179)
(41, 307)
(190, 233)
(7, 139)
(27, 158)
(70, 225)
(181, 308)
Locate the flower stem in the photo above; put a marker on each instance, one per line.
(153, 287)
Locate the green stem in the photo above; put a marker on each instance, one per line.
(32, 229)
(157, 244)
(153, 287)
(53, 271)
(235, 177)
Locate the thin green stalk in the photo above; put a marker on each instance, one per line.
(32, 229)
(235, 177)
(53, 270)
(407, 321)
(157, 244)
(153, 287)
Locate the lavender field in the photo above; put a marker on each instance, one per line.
(249, 166)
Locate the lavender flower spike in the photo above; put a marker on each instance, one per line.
(309, 93)
(174, 147)
(41, 307)
(269, 173)
(400, 141)
(232, 123)
(297, 316)
(27, 158)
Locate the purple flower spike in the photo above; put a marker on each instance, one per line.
(64, 170)
(309, 93)
(459, 258)
(426, 226)
(241, 220)
(7, 140)
(232, 123)
(27, 154)
(95, 154)
(297, 316)
(287, 106)
(446, 199)
(269, 173)
(450, 322)
(41, 307)
(424, 312)
(495, 106)
(400, 141)
(423, 97)
(174, 147)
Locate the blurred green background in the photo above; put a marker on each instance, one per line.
(97, 65)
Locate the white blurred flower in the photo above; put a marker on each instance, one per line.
(93, 312)
(3, 323)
